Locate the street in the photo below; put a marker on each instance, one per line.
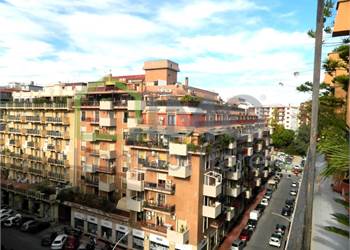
(14, 239)
(272, 216)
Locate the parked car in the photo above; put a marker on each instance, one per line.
(294, 184)
(280, 229)
(22, 221)
(260, 208)
(33, 226)
(254, 215)
(48, 239)
(71, 243)
(275, 240)
(252, 224)
(267, 196)
(286, 211)
(11, 221)
(290, 201)
(238, 245)
(245, 234)
(59, 242)
(7, 211)
(4, 217)
(264, 202)
(293, 192)
(269, 191)
(28, 225)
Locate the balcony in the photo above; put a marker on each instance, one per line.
(107, 154)
(178, 149)
(91, 181)
(234, 175)
(250, 138)
(159, 166)
(134, 204)
(107, 122)
(212, 211)
(35, 171)
(13, 118)
(36, 158)
(165, 208)
(56, 176)
(57, 162)
(166, 189)
(106, 105)
(132, 122)
(95, 153)
(249, 151)
(136, 105)
(230, 213)
(33, 119)
(231, 161)
(234, 191)
(34, 132)
(266, 173)
(88, 168)
(178, 237)
(258, 182)
(180, 171)
(248, 194)
(104, 137)
(212, 186)
(15, 130)
(106, 186)
(135, 181)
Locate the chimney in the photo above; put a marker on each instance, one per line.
(186, 82)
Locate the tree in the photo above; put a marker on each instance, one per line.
(282, 137)
(342, 219)
(300, 143)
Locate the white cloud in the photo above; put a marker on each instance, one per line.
(90, 39)
(195, 13)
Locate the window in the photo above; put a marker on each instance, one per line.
(171, 120)
(83, 115)
(120, 235)
(78, 223)
(125, 118)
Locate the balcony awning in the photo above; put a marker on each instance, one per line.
(122, 204)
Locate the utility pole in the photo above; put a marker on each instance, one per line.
(314, 124)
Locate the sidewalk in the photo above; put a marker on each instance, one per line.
(236, 231)
(323, 206)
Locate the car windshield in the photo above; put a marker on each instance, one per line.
(57, 242)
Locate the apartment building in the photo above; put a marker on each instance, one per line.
(177, 164)
(283, 115)
(36, 140)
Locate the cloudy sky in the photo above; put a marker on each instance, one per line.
(229, 46)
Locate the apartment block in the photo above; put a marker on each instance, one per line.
(36, 140)
(166, 165)
(283, 115)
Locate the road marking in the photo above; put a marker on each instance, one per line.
(281, 216)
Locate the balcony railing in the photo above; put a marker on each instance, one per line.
(104, 137)
(56, 176)
(13, 118)
(33, 132)
(160, 207)
(35, 158)
(153, 165)
(145, 143)
(91, 181)
(33, 118)
(167, 188)
(56, 161)
(35, 171)
(31, 193)
(14, 130)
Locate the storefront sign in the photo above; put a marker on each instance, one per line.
(121, 228)
(106, 223)
(159, 239)
(138, 233)
(79, 216)
(92, 219)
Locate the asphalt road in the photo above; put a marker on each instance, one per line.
(271, 217)
(14, 239)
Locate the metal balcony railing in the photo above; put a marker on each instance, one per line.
(158, 206)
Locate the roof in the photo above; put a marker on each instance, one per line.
(130, 77)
